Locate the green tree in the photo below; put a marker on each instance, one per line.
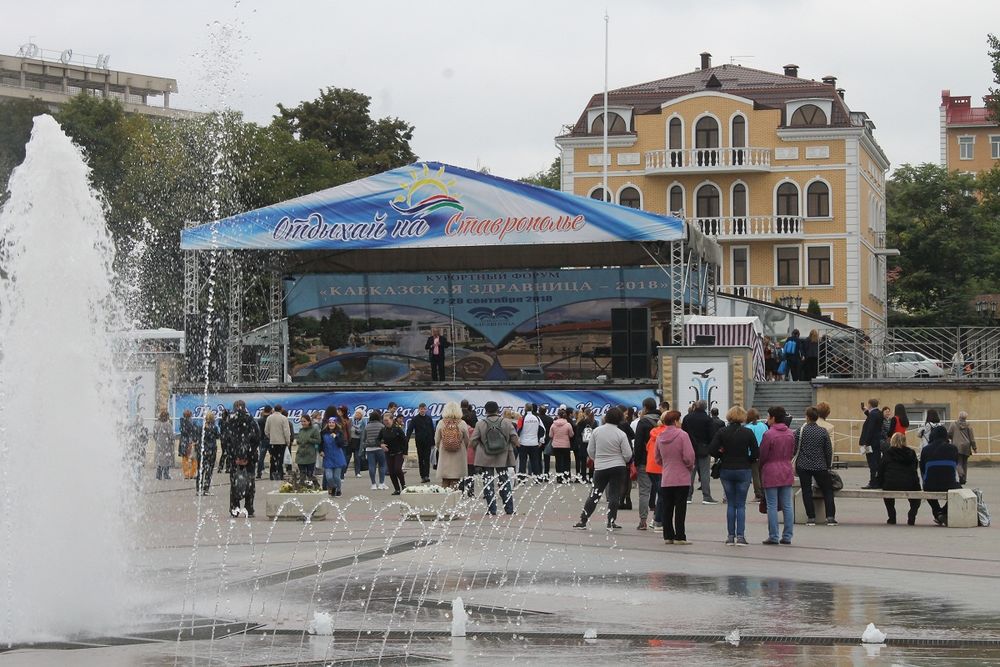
(335, 329)
(550, 178)
(993, 99)
(97, 125)
(340, 119)
(946, 242)
(16, 120)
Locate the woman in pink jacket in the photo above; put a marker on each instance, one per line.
(561, 434)
(675, 453)
(777, 475)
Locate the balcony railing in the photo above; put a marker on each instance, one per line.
(759, 292)
(672, 161)
(751, 227)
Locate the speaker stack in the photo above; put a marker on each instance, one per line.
(630, 343)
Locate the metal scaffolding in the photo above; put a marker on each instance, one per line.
(275, 302)
(192, 279)
(234, 340)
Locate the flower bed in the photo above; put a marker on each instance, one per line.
(430, 502)
(297, 506)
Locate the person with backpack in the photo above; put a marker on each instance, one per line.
(648, 419)
(582, 431)
(561, 435)
(529, 434)
(494, 440)
(791, 353)
(244, 439)
(452, 441)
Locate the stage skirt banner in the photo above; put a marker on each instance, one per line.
(501, 325)
(314, 404)
(431, 205)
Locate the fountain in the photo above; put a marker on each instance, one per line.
(62, 551)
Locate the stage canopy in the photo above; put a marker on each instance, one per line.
(432, 216)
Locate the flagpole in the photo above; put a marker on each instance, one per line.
(604, 156)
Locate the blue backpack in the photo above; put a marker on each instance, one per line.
(791, 347)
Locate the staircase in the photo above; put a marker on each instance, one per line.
(795, 397)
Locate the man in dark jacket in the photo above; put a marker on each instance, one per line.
(717, 424)
(244, 443)
(649, 485)
(939, 469)
(546, 419)
(421, 427)
(871, 441)
(698, 425)
(436, 344)
(264, 445)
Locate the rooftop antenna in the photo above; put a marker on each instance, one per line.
(733, 60)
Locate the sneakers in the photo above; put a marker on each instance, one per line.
(668, 541)
(784, 542)
(383, 487)
(810, 522)
(657, 524)
(357, 474)
(642, 525)
(689, 501)
(741, 541)
(770, 542)
(375, 487)
(730, 541)
(709, 501)
(613, 526)
(682, 542)
(832, 522)
(582, 525)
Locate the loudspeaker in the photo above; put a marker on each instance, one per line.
(704, 340)
(620, 319)
(630, 345)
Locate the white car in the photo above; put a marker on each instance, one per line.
(912, 365)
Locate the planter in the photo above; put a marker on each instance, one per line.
(445, 506)
(297, 506)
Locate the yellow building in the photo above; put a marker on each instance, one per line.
(776, 167)
(970, 141)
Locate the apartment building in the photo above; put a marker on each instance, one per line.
(970, 140)
(775, 166)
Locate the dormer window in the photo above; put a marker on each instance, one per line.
(617, 125)
(808, 115)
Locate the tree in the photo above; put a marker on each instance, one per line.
(340, 120)
(550, 178)
(993, 99)
(17, 117)
(335, 330)
(946, 241)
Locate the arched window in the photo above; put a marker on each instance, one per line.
(675, 141)
(787, 220)
(676, 199)
(738, 137)
(617, 124)
(739, 205)
(808, 114)
(706, 142)
(818, 200)
(629, 197)
(597, 194)
(707, 209)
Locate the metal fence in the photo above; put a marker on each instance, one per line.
(968, 352)
(846, 433)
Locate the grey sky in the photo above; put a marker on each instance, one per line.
(491, 83)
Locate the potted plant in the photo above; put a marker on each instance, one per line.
(430, 502)
(298, 498)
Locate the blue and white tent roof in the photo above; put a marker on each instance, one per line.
(432, 205)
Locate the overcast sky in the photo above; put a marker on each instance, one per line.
(491, 83)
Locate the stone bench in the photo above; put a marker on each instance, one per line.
(961, 503)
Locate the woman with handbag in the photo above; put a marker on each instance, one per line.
(451, 440)
(777, 476)
(814, 460)
(735, 449)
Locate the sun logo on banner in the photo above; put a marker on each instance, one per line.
(425, 193)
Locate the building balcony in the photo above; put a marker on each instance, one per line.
(751, 227)
(759, 292)
(702, 160)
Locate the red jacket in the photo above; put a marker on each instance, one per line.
(776, 449)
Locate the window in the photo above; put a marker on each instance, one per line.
(739, 137)
(808, 114)
(707, 210)
(629, 197)
(675, 135)
(617, 124)
(818, 259)
(597, 194)
(788, 199)
(995, 146)
(706, 142)
(676, 199)
(739, 208)
(788, 265)
(818, 200)
(965, 145)
(741, 266)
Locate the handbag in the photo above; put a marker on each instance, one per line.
(783, 368)
(633, 472)
(287, 458)
(836, 481)
(716, 471)
(434, 458)
(762, 506)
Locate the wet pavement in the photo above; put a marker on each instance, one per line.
(533, 586)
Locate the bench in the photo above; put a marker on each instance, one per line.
(961, 503)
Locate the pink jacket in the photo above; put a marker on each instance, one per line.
(776, 450)
(675, 453)
(561, 433)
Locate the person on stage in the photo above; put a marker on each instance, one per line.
(437, 343)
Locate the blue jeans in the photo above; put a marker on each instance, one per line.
(506, 493)
(332, 477)
(736, 483)
(377, 458)
(779, 496)
(262, 451)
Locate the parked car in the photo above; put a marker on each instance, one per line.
(913, 365)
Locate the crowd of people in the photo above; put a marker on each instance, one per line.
(666, 453)
(795, 358)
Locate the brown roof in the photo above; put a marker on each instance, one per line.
(767, 90)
